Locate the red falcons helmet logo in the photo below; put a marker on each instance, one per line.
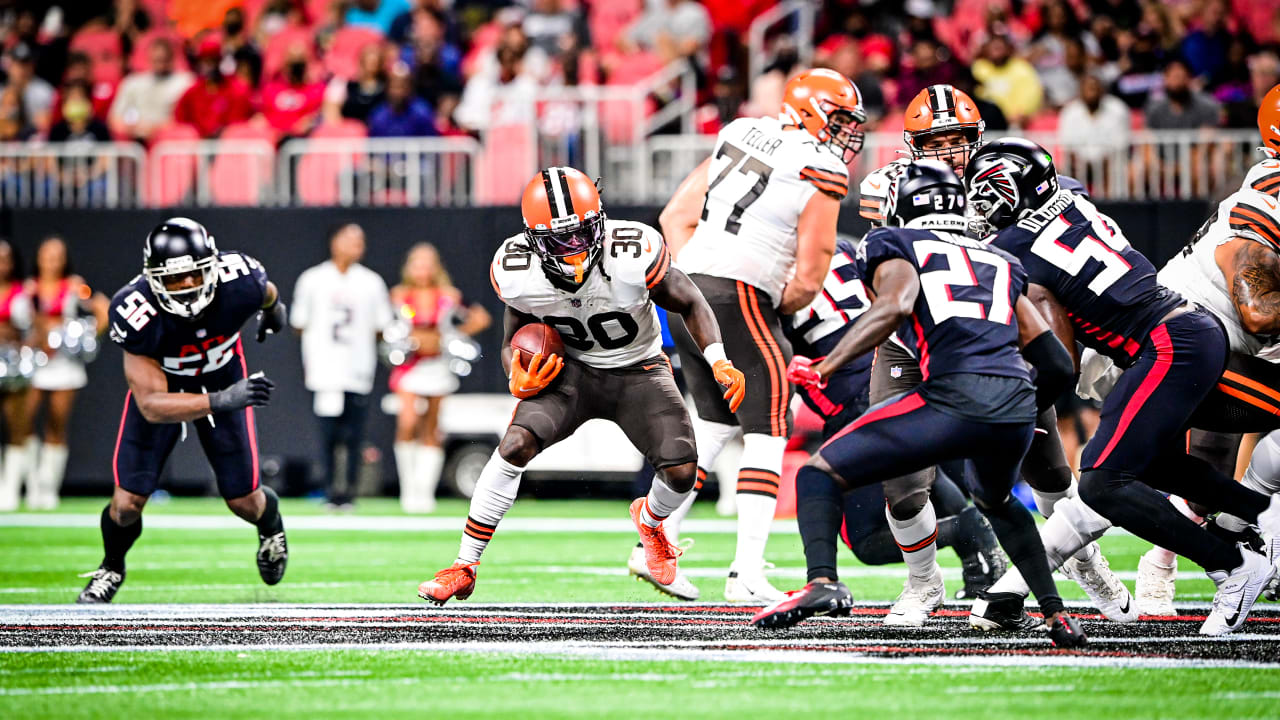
(997, 181)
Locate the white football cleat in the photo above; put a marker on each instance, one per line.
(1155, 586)
(680, 588)
(750, 588)
(1237, 592)
(1095, 577)
(917, 601)
(1269, 519)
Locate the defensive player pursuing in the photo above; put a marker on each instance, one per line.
(1093, 287)
(595, 281)
(179, 325)
(961, 306)
(943, 123)
(814, 333)
(755, 227)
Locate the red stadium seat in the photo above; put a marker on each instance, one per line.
(619, 116)
(505, 164)
(278, 45)
(316, 175)
(138, 59)
(607, 20)
(238, 178)
(1044, 122)
(343, 58)
(170, 176)
(104, 48)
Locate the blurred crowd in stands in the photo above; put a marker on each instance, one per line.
(1096, 69)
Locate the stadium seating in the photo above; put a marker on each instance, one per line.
(239, 178)
(169, 175)
(318, 173)
(277, 47)
(104, 48)
(138, 58)
(343, 57)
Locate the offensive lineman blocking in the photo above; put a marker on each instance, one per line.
(596, 281)
(755, 227)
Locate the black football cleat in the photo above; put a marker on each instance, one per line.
(103, 586)
(816, 598)
(1001, 612)
(273, 557)
(1066, 633)
(981, 572)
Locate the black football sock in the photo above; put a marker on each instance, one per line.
(116, 540)
(1196, 480)
(819, 513)
(1146, 513)
(879, 548)
(1045, 465)
(270, 522)
(1018, 535)
(966, 533)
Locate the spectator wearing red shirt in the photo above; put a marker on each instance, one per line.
(291, 103)
(215, 100)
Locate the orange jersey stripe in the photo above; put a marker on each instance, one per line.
(1252, 400)
(494, 281)
(1250, 383)
(825, 175)
(780, 394)
(774, 379)
(660, 272)
(828, 187)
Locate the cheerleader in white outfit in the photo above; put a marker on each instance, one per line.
(15, 324)
(427, 300)
(57, 296)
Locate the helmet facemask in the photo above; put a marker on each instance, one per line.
(569, 253)
(841, 134)
(171, 284)
(955, 154)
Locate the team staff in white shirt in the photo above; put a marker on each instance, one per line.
(340, 307)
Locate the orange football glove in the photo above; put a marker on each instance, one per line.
(733, 379)
(525, 383)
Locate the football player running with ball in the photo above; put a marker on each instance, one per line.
(595, 281)
(179, 326)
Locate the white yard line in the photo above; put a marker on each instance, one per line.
(383, 523)
(622, 652)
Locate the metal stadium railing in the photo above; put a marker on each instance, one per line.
(638, 166)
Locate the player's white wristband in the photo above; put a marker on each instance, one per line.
(714, 353)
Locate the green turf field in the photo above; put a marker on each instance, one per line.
(376, 565)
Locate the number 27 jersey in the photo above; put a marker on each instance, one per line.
(610, 322)
(963, 320)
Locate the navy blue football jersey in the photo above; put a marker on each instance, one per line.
(197, 354)
(1108, 289)
(963, 320)
(815, 330)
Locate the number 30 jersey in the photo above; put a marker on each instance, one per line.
(1108, 289)
(609, 322)
(963, 320)
(760, 178)
(198, 354)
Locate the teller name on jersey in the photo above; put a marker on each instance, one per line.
(761, 177)
(609, 322)
(195, 353)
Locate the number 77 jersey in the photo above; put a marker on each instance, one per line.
(609, 321)
(1108, 289)
(760, 179)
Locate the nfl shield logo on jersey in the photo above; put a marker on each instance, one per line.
(895, 372)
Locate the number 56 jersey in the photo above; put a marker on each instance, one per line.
(760, 178)
(609, 321)
(198, 354)
(1108, 289)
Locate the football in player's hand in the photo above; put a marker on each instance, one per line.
(537, 338)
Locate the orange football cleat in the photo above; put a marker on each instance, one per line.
(458, 580)
(660, 556)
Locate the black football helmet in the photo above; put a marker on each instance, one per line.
(180, 262)
(923, 188)
(1006, 180)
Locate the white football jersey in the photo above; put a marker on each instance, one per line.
(340, 315)
(610, 322)
(760, 178)
(1194, 272)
